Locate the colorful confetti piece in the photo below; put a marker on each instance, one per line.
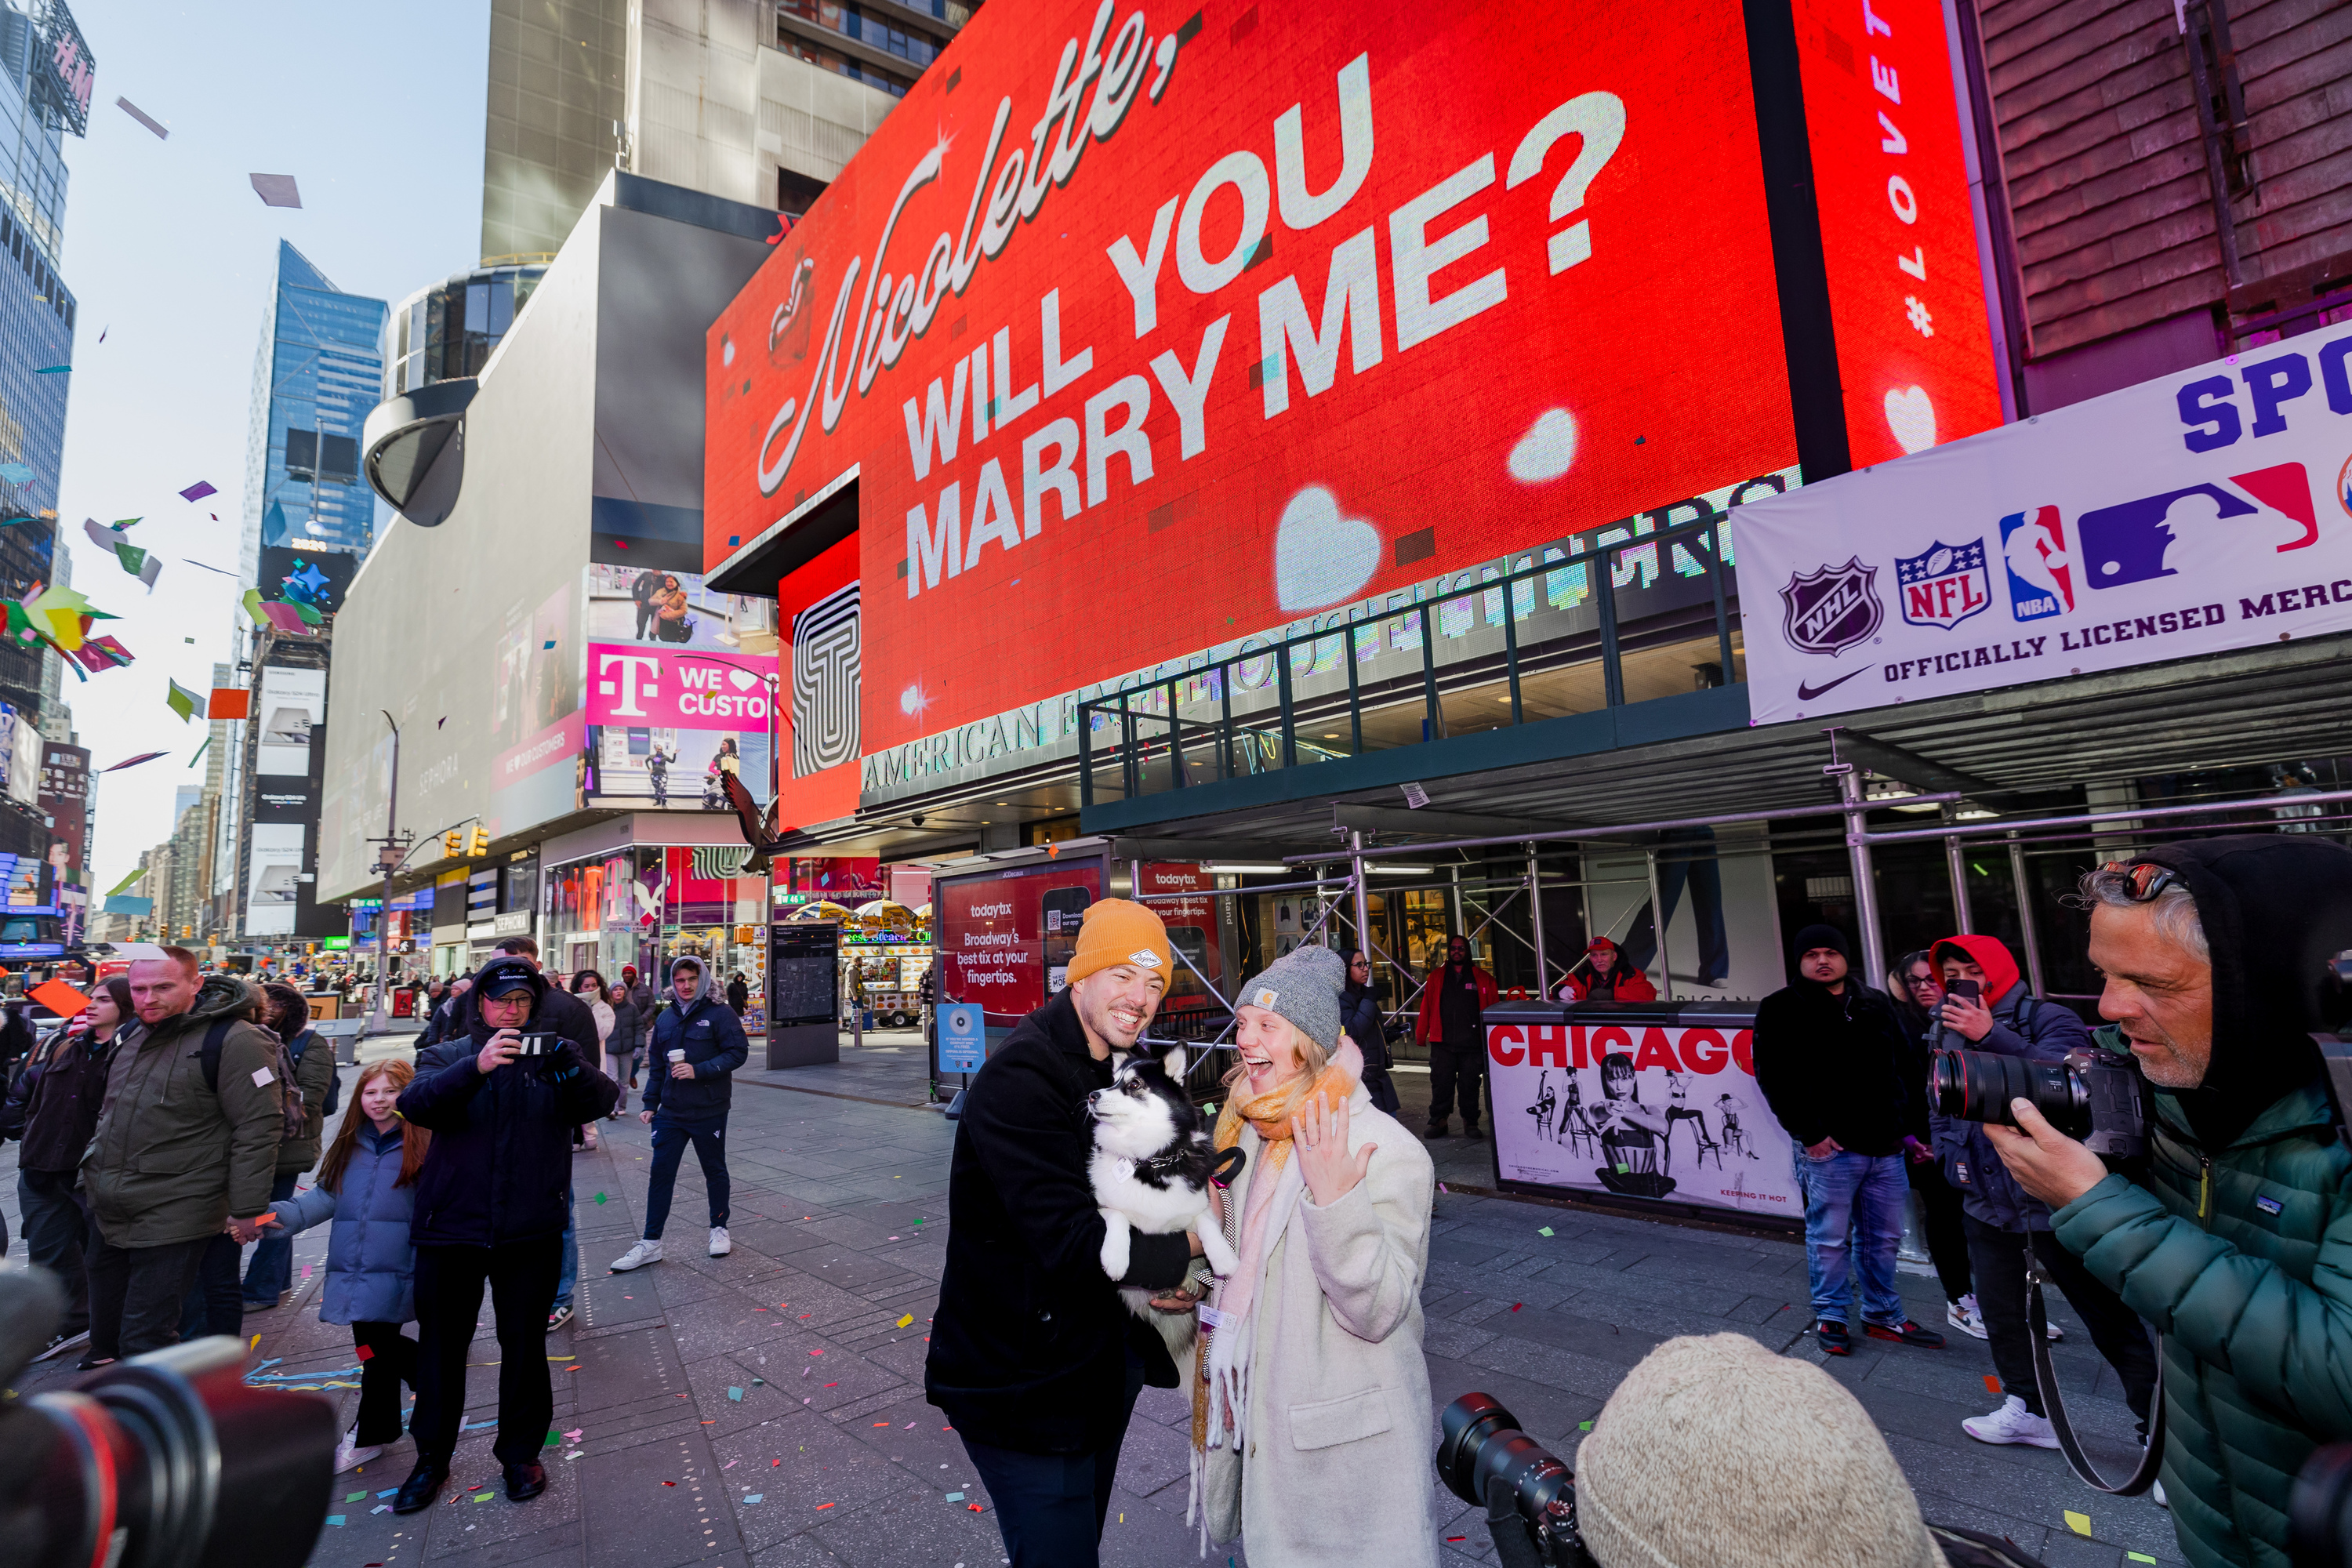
(736, 1395)
(955, 1497)
(2080, 1523)
(336, 1520)
(1543, 1230)
(904, 1321)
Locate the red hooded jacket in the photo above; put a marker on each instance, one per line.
(1989, 956)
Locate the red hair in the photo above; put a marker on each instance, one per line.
(413, 1140)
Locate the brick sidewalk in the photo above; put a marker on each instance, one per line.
(839, 1209)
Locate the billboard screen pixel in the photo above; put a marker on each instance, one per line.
(1246, 321)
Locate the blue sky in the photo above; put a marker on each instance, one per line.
(377, 112)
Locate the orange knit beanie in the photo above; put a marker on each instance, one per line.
(1117, 932)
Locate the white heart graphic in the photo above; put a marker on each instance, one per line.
(1546, 450)
(743, 679)
(1320, 557)
(1912, 417)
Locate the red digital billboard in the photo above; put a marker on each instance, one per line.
(1899, 225)
(1141, 330)
(1006, 937)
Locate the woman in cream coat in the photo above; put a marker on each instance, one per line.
(1311, 1409)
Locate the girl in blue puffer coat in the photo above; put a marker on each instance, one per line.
(367, 1186)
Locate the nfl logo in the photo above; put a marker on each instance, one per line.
(1831, 610)
(1944, 585)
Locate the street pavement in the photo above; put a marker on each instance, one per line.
(766, 1409)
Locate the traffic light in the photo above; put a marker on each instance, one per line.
(453, 842)
(481, 844)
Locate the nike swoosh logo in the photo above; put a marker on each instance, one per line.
(1807, 693)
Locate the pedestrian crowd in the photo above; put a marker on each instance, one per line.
(170, 1123)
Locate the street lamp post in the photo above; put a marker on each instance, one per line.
(392, 849)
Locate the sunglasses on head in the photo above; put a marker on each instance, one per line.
(2146, 879)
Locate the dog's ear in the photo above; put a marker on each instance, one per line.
(1172, 1063)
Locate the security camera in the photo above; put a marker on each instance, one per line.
(914, 822)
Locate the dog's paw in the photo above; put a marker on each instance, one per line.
(1115, 1247)
(1222, 1258)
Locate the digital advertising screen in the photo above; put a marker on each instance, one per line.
(319, 578)
(1140, 333)
(1006, 938)
(1899, 225)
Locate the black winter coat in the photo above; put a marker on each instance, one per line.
(53, 1107)
(501, 1157)
(1360, 1020)
(1030, 1340)
(1834, 1067)
(713, 1038)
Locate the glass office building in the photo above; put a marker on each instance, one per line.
(319, 371)
(38, 104)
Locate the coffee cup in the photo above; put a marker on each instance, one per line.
(677, 1055)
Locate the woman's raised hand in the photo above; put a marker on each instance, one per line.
(1319, 1129)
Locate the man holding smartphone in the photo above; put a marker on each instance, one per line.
(500, 1101)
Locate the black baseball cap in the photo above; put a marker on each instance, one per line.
(504, 977)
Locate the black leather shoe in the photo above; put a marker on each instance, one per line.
(525, 1482)
(423, 1485)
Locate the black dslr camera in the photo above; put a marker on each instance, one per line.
(1530, 1502)
(2096, 1098)
(166, 1460)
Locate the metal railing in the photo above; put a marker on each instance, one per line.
(1381, 680)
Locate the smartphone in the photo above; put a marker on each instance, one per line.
(1968, 988)
(536, 1045)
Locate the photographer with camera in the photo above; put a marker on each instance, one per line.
(500, 1101)
(1987, 1008)
(1829, 1059)
(2236, 1241)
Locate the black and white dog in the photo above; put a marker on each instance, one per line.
(1150, 1172)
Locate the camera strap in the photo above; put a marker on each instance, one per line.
(2045, 1375)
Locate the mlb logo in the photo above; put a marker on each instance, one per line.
(1944, 585)
(2040, 570)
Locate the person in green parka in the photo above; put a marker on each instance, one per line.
(2236, 1240)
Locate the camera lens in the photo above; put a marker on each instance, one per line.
(168, 1460)
(1978, 1086)
(1480, 1443)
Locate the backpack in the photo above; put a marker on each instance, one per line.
(291, 1121)
(334, 1082)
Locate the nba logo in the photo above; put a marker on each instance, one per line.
(2041, 571)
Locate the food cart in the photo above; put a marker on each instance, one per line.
(1644, 1106)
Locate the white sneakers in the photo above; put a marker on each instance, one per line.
(348, 1457)
(646, 1252)
(1963, 1315)
(2012, 1423)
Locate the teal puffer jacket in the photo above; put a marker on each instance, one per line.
(2243, 1262)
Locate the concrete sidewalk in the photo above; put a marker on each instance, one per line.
(766, 1409)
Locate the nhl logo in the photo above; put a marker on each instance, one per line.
(1831, 610)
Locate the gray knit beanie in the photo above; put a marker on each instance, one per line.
(1304, 986)
(1713, 1450)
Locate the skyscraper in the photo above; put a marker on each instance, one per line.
(760, 101)
(45, 86)
(319, 370)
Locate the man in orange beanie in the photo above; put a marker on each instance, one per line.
(1034, 1357)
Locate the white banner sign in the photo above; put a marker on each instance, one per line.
(1639, 1110)
(2198, 512)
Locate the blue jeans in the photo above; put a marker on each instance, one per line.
(670, 1140)
(271, 1268)
(570, 1275)
(1854, 1223)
